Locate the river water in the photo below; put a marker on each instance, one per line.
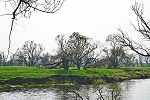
(129, 90)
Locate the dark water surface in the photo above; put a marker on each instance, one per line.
(130, 90)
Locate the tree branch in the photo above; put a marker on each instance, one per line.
(138, 48)
(25, 6)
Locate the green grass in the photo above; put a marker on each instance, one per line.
(7, 73)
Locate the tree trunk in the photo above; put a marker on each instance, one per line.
(78, 65)
(65, 64)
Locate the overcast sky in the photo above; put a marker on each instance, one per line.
(93, 18)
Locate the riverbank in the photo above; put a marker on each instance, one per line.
(33, 76)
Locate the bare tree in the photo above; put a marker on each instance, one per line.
(2, 59)
(82, 49)
(29, 54)
(77, 50)
(63, 52)
(143, 28)
(116, 55)
(45, 59)
(114, 92)
(147, 60)
(26, 7)
(48, 60)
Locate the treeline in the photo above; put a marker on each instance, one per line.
(78, 51)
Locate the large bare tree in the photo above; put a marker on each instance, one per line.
(63, 52)
(77, 50)
(29, 54)
(82, 48)
(26, 7)
(143, 27)
(117, 55)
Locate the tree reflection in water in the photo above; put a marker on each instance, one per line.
(103, 92)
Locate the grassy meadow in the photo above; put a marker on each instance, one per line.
(7, 73)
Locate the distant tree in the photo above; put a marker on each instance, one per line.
(19, 58)
(129, 60)
(143, 28)
(11, 61)
(116, 55)
(29, 54)
(112, 39)
(147, 60)
(3, 61)
(45, 58)
(141, 60)
(1, 58)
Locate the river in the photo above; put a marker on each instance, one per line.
(129, 90)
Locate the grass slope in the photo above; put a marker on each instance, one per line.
(7, 73)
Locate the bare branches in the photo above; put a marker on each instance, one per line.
(100, 94)
(136, 47)
(13, 18)
(77, 94)
(48, 6)
(25, 8)
(143, 27)
(10, 36)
